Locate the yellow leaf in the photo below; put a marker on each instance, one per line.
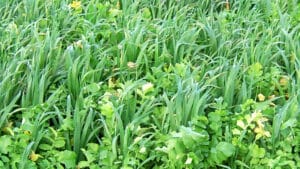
(131, 65)
(271, 97)
(272, 104)
(114, 12)
(258, 130)
(75, 5)
(283, 81)
(8, 130)
(34, 157)
(27, 132)
(267, 134)
(78, 44)
(241, 124)
(256, 115)
(261, 97)
(188, 161)
(143, 150)
(137, 139)
(147, 87)
(236, 132)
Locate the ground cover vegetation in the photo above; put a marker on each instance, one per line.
(149, 84)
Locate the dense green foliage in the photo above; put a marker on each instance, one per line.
(149, 84)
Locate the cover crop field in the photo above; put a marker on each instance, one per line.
(149, 84)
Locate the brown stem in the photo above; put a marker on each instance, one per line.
(227, 5)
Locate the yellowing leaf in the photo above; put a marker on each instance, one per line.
(78, 44)
(256, 115)
(27, 132)
(114, 12)
(188, 161)
(271, 97)
(147, 87)
(131, 65)
(236, 132)
(111, 83)
(137, 139)
(241, 124)
(143, 150)
(34, 157)
(261, 133)
(261, 97)
(283, 81)
(75, 5)
(8, 131)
